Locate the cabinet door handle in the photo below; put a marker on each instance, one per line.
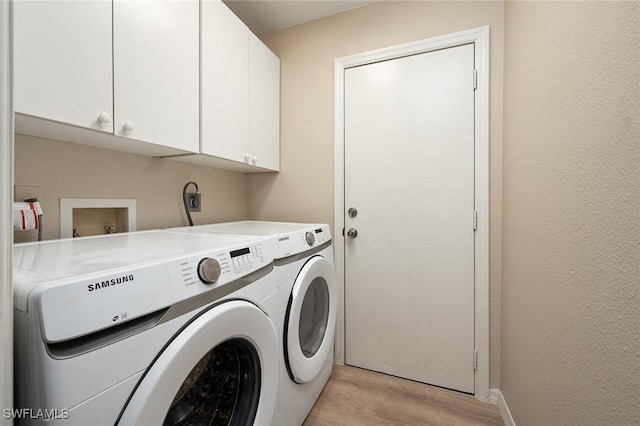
(104, 118)
(254, 159)
(128, 126)
(247, 157)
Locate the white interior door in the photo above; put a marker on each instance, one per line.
(409, 172)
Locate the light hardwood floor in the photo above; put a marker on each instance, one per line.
(354, 396)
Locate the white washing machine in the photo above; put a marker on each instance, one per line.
(146, 328)
(307, 306)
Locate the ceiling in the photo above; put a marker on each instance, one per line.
(264, 16)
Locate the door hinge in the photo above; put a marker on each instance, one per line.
(475, 79)
(475, 359)
(475, 220)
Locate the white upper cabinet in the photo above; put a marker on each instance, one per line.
(174, 78)
(225, 88)
(240, 80)
(156, 71)
(126, 68)
(62, 62)
(264, 105)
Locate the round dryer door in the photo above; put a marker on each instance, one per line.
(311, 320)
(220, 369)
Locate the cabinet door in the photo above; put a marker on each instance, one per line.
(264, 106)
(156, 71)
(225, 82)
(62, 61)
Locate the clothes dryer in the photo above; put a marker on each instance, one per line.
(307, 307)
(146, 328)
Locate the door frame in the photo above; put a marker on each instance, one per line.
(480, 38)
(6, 206)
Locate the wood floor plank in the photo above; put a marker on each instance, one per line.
(356, 397)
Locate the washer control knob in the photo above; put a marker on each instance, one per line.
(208, 270)
(311, 239)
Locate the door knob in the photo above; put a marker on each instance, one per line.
(352, 233)
(352, 212)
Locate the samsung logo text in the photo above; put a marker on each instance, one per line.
(108, 283)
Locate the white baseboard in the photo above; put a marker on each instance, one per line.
(496, 397)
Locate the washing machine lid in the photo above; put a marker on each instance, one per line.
(59, 261)
(287, 238)
(251, 227)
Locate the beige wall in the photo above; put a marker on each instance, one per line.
(570, 305)
(69, 170)
(303, 190)
(564, 270)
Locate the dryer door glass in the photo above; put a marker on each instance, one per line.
(310, 320)
(314, 317)
(220, 368)
(222, 389)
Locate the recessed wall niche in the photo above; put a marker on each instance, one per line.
(83, 217)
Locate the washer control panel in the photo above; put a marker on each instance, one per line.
(115, 279)
(198, 274)
(300, 241)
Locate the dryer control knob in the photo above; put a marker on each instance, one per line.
(208, 270)
(311, 239)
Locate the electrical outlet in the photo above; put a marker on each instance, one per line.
(193, 201)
